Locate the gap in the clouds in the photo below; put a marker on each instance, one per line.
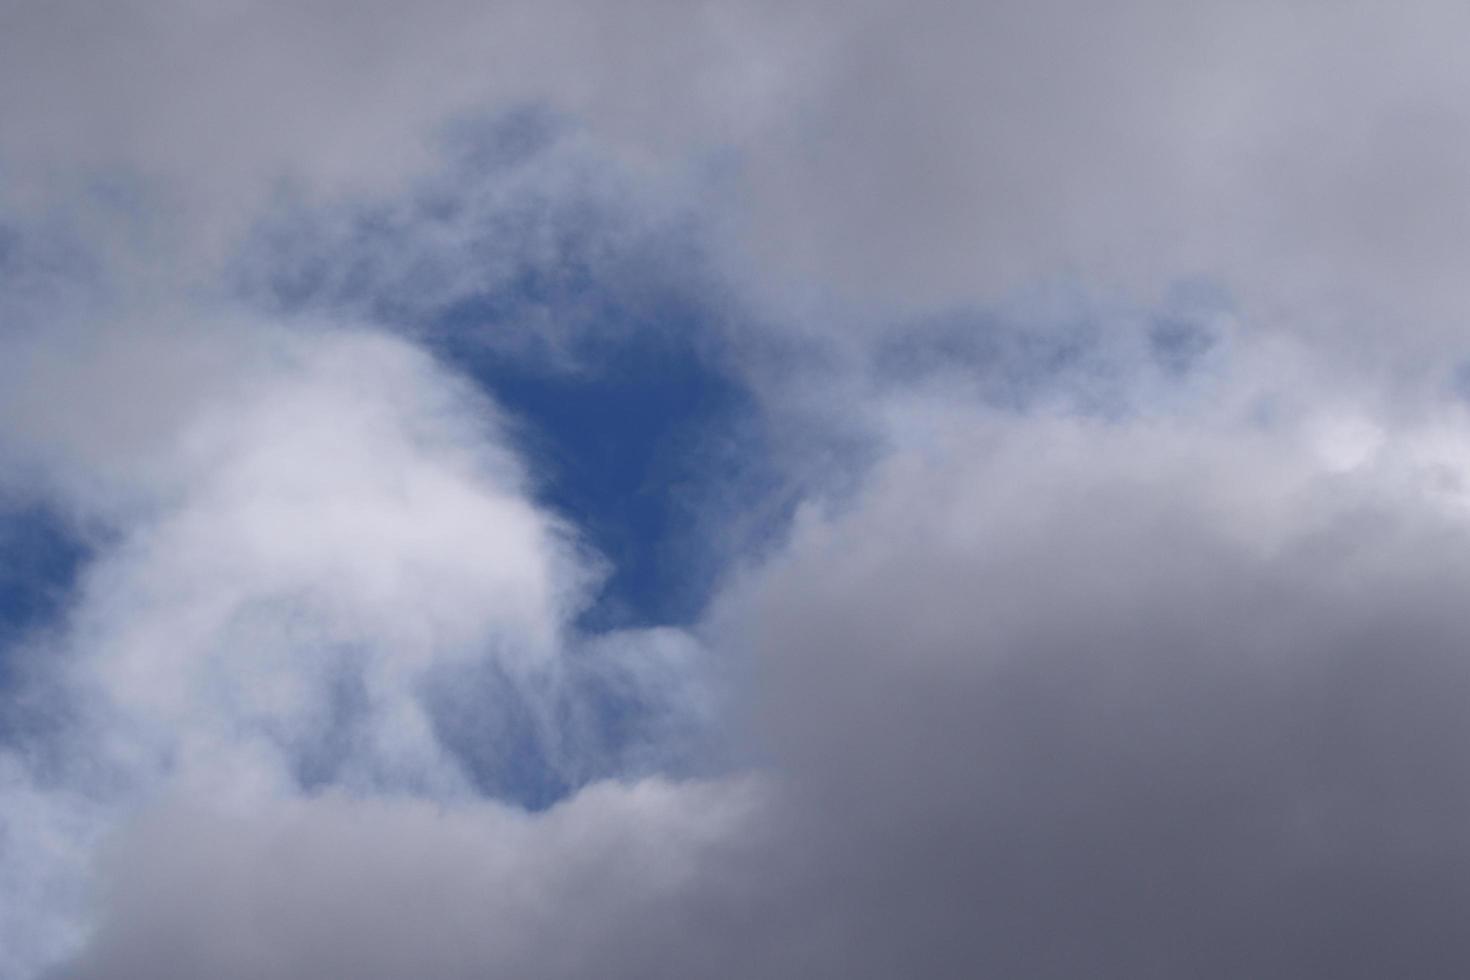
(586, 309)
(1061, 348)
(636, 447)
(494, 732)
(615, 707)
(41, 557)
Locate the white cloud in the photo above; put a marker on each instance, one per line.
(300, 529)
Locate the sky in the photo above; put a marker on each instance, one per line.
(739, 489)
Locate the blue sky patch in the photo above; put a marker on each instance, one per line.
(39, 561)
(597, 327)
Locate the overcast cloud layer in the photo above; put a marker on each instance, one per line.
(733, 490)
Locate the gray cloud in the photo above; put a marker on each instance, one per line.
(903, 158)
(1063, 698)
(599, 884)
(1170, 688)
(1303, 153)
(1126, 703)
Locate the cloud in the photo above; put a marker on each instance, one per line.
(1303, 155)
(412, 887)
(1061, 697)
(303, 533)
(888, 158)
(213, 107)
(1107, 351)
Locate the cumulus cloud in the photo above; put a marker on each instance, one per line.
(296, 549)
(1128, 702)
(599, 884)
(1059, 698)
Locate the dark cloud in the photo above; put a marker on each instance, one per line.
(1061, 718)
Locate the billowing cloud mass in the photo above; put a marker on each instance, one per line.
(733, 490)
